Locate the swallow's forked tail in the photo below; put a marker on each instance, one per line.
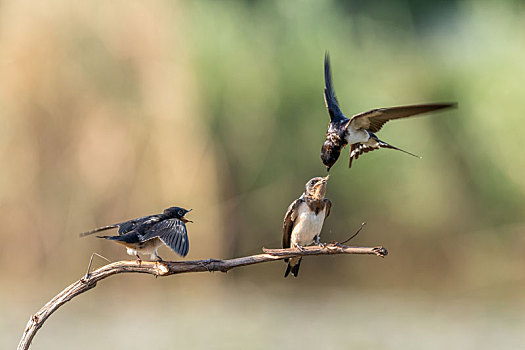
(384, 144)
(83, 234)
(112, 238)
(294, 269)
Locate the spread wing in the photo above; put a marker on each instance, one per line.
(329, 93)
(289, 220)
(328, 206)
(375, 119)
(171, 232)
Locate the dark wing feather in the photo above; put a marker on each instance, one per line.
(127, 226)
(375, 119)
(329, 93)
(289, 220)
(131, 238)
(328, 206)
(173, 233)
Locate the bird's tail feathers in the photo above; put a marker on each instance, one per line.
(112, 238)
(384, 144)
(294, 269)
(83, 234)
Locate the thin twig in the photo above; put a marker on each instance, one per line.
(355, 234)
(166, 268)
(91, 262)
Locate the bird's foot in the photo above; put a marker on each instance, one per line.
(318, 242)
(139, 260)
(301, 248)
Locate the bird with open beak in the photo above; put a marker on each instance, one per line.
(147, 234)
(359, 130)
(304, 220)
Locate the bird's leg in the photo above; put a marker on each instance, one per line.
(159, 259)
(139, 260)
(318, 242)
(299, 247)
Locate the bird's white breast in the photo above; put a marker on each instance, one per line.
(307, 225)
(147, 247)
(355, 136)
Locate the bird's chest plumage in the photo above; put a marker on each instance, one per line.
(145, 247)
(355, 136)
(307, 225)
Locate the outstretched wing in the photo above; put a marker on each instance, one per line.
(329, 93)
(289, 220)
(375, 119)
(171, 232)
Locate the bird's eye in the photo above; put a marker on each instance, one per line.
(312, 182)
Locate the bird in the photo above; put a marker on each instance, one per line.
(359, 131)
(304, 220)
(146, 234)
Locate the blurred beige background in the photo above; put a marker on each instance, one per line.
(114, 110)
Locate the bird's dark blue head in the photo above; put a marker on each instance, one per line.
(177, 212)
(334, 143)
(330, 153)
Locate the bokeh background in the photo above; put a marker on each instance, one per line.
(119, 109)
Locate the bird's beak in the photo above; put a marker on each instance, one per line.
(183, 219)
(320, 187)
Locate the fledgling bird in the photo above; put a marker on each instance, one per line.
(304, 220)
(147, 234)
(359, 130)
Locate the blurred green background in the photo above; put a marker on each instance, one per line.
(114, 110)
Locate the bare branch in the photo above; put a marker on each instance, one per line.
(166, 268)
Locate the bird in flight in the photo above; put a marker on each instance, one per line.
(304, 220)
(359, 131)
(146, 234)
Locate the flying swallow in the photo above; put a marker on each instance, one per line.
(304, 220)
(359, 130)
(146, 234)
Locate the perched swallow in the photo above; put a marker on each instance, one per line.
(359, 130)
(146, 234)
(304, 220)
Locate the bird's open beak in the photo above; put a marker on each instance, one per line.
(320, 187)
(183, 219)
